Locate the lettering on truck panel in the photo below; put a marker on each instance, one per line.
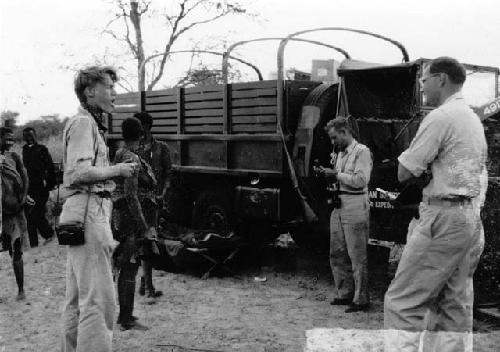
(378, 201)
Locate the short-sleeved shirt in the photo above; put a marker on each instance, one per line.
(82, 141)
(451, 140)
(354, 167)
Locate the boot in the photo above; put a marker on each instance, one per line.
(142, 286)
(122, 302)
(127, 320)
(150, 291)
(18, 266)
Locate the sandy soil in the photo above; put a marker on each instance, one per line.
(218, 314)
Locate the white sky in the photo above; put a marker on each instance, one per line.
(39, 39)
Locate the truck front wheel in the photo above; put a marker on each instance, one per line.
(212, 211)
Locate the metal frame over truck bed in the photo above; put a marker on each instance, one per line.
(228, 148)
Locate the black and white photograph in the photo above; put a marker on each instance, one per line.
(249, 176)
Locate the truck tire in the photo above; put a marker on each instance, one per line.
(212, 211)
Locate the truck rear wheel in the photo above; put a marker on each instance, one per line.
(212, 211)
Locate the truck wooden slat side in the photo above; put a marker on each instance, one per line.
(245, 108)
(221, 137)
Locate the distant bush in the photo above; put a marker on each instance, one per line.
(45, 127)
(53, 144)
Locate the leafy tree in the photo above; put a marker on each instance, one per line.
(9, 118)
(45, 127)
(204, 75)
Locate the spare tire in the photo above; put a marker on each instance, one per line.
(212, 211)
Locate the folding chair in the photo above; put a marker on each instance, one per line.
(218, 261)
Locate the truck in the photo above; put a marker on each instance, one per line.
(243, 153)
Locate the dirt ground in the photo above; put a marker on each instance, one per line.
(290, 311)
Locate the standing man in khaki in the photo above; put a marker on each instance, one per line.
(349, 221)
(430, 288)
(90, 297)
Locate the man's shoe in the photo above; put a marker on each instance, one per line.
(132, 318)
(341, 302)
(155, 293)
(21, 296)
(353, 307)
(133, 325)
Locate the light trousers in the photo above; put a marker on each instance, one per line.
(349, 230)
(89, 309)
(432, 289)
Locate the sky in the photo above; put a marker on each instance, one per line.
(43, 42)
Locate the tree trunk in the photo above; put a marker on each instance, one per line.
(135, 17)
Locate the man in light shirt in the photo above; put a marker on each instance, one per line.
(349, 221)
(88, 312)
(431, 285)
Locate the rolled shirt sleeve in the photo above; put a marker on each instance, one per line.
(362, 170)
(80, 150)
(426, 145)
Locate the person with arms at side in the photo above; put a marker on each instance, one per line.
(349, 221)
(41, 173)
(88, 312)
(14, 194)
(431, 290)
(156, 154)
(134, 221)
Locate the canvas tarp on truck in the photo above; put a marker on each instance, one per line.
(384, 104)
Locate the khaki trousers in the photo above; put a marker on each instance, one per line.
(349, 229)
(432, 288)
(90, 297)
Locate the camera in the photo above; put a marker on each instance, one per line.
(317, 168)
(333, 199)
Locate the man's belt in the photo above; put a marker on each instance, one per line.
(103, 194)
(352, 192)
(448, 202)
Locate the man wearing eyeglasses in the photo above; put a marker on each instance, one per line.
(430, 291)
(350, 217)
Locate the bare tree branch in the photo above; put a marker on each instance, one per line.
(116, 18)
(128, 87)
(132, 46)
(173, 37)
(145, 7)
(186, 15)
(198, 3)
(196, 23)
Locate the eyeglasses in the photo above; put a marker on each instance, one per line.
(424, 79)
